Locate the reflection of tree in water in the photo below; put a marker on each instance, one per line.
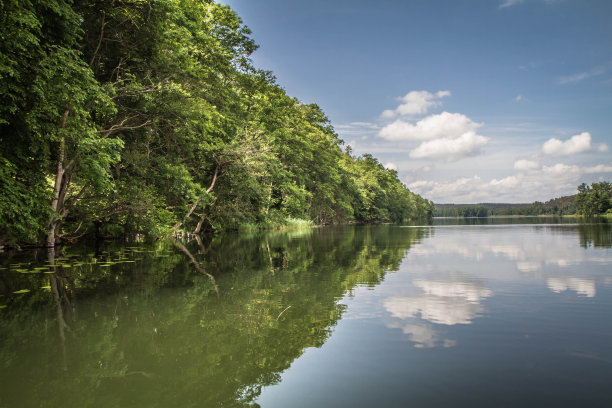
(595, 235)
(155, 332)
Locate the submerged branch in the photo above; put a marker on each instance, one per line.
(197, 264)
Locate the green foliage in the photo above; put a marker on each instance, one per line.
(475, 211)
(595, 199)
(381, 197)
(23, 203)
(147, 116)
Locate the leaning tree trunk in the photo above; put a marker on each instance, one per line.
(193, 207)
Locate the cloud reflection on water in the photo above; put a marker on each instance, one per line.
(532, 251)
(442, 302)
(584, 287)
(450, 275)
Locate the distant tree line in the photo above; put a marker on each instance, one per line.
(590, 200)
(147, 117)
(452, 210)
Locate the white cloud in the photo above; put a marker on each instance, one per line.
(507, 182)
(519, 98)
(540, 184)
(416, 103)
(509, 3)
(442, 191)
(562, 170)
(580, 76)
(452, 149)
(600, 168)
(467, 189)
(443, 125)
(475, 190)
(391, 166)
(445, 135)
(387, 114)
(525, 165)
(420, 183)
(576, 144)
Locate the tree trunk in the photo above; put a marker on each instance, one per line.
(59, 191)
(193, 207)
(269, 201)
(198, 227)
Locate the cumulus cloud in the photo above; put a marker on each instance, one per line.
(444, 135)
(576, 144)
(525, 165)
(390, 166)
(441, 191)
(526, 186)
(443, 125)
(465, 145)
(474, 189)
(416, 103)
(600, 168)
(519, 98)
(507, 182)
(562, 170)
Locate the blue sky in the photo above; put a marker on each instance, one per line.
(470, 101)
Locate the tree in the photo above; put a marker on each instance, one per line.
(131, 117)
(594, 199)
(48, 114)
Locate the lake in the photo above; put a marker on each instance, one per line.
(489, 313)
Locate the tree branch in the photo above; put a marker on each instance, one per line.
(74, 199)
(122, 126)
(193, 207)
(93, 56)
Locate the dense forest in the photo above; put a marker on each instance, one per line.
(147, 117)
(595, 199)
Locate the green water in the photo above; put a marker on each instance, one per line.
(446, 315)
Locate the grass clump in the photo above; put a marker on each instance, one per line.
(279, 224)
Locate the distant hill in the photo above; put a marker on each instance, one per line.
(561, 205)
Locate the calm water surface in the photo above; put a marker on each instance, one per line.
(486, 314)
